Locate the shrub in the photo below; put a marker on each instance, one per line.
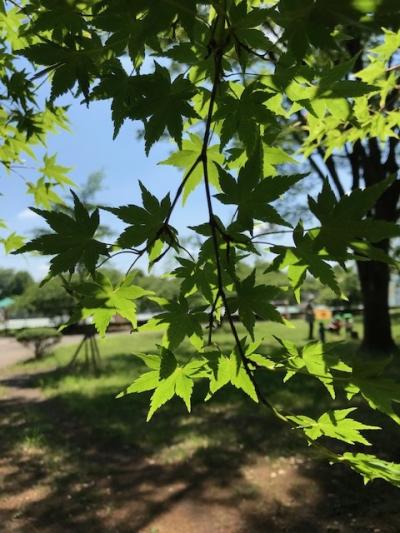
(40, 338)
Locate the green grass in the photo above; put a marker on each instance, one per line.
(229, 421)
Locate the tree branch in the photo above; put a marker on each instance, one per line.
(218, 55)
(331, 166)
(391, 165)
(354, 158)
(317, 168)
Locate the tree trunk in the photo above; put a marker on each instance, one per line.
(374, 280)
(375, 276)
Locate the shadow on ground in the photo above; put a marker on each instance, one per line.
(80, 462)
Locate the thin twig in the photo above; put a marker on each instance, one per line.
(211, 317)
(394, 67)
(134, 252)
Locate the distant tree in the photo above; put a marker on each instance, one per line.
(51, 300)
(6, 275)
(40, 339)
(14, 283)
(90, 189)
(21, 281)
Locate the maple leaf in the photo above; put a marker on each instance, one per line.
(100, 300)
(380, 393)
(166, 378)
(12, 242)
(334, 424)
(52, 170)
(252, 194)
(312, 359)
(186, 157)
(147, 223)
(59, 18)
(181, 322)
(302, 258)
(224, 369)
(241, 115)
(195, 276)
(73, 239)
(43, 193)
(372, 467)
(137, 25)
(254, 301)
(70, 64)
(161, 103)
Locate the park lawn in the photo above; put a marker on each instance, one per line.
(173, 435)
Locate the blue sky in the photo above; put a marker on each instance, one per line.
(87, 148)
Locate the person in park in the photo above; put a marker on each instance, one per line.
(336, 325)
(348, 324)
(321, 332)
(310, 318)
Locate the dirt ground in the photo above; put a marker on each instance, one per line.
(84, 487)
(13, 352)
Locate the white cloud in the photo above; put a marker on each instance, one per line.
(27, 214)
(40, 271)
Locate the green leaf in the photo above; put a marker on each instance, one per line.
(70, 64)
(168, 379)
(195, 276)
(12, 242)
(72, 242)
(242, 115)
(252, 194)
(379, 392)
(334, 424)
(346, 89)
(43, 193)
(147, 223)
(164, 392)
(182, 322)
(343, 221)
(312, 359)
(184, 388)
(161, 104)
(255, 301)
(371, 467)
(102, 301)
(145, 382)
(229, 369)
(302, 258)
(52, 170)
(185, 159)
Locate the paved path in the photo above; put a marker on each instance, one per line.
(12, 352)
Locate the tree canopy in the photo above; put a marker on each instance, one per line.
(229, 82)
